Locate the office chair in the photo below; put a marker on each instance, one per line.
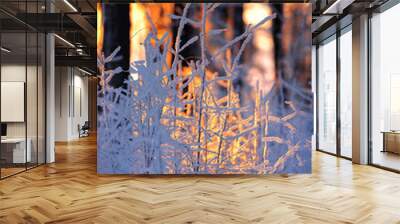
(84, 130)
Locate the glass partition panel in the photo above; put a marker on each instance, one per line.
(385, 89)
(327, 96)
(14, 153)
(346, 93)
(41, 98)
(22, 77)
(32, 98)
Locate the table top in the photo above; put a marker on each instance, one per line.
(391, 132)
(13, 140)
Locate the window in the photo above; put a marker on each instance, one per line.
(385, 89)
(327, 96)
(346, 92)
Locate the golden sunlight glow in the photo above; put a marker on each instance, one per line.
(140, 27)
(255, 12)
(138, 31)
(263, 71)
(100, 29)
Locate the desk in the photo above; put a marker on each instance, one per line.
(391, 141)
(16, 147)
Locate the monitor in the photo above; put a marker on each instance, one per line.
(3, 129)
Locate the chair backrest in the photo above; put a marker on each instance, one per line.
(86, 124)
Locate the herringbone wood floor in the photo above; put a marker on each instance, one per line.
(70, 191)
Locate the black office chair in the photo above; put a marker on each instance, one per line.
(84, 130)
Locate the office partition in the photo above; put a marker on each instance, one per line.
(22, 77)
(334, 93)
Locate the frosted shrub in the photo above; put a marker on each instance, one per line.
(175, 120)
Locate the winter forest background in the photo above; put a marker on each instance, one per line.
(204, 88)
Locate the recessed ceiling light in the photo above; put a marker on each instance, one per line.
(5, 50)
(337, 7)
(84, 71)
(65, 41)
(70, 5)
(331, 7)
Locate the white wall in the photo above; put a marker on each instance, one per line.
(16, 73)
(71, 102)
(9, 73)
(62, 81)
(81, 89)
(13, 101)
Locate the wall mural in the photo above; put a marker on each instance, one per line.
(204, 88)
